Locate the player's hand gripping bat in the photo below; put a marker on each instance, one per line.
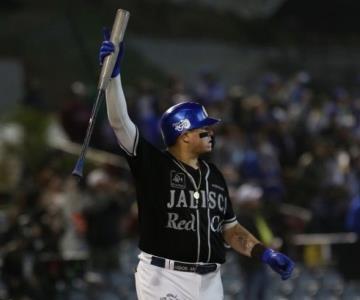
(117, 35)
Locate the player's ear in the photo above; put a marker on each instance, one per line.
(185, 137)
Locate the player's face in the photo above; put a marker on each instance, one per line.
(201, 139)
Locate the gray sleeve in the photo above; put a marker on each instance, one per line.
(125, 130)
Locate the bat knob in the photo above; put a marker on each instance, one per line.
(78, 170)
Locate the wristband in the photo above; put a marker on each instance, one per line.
(257, 251)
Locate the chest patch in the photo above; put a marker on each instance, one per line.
(177, 180)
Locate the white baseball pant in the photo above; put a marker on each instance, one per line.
(156, 283)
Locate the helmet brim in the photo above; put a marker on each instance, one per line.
(207, 122)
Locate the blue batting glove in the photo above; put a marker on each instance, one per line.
(279, 262)
(107, 47)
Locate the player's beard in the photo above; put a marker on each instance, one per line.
(212, 141)
(209, 145)
(206, 154)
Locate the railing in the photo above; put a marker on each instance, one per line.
(324, 241)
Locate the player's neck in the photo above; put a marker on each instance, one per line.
(185, 156)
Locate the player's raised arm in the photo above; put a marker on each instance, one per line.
(245, 243)
(125, 130)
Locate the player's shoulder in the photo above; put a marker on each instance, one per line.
(216, 173)
(143, 148)
(209, 163)
(144, 141)
(212, 166)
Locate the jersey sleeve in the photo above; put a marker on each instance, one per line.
(143, 158)
(230, 219)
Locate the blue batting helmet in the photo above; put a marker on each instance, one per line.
(183, 117)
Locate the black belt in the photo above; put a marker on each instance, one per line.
(184, 267)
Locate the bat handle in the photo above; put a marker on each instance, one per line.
(79, 168)
(117, 35)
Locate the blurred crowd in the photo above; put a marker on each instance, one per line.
(288, 148)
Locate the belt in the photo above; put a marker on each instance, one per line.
(184, 267)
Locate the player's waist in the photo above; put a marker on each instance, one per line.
(199, 268)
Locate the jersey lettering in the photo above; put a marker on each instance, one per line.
(193, 201)
(175, 223)
(172, 199)
(212, 200)
(203, 198)
(182, 200)
(185, 199)
(221, 203)
(216, 224)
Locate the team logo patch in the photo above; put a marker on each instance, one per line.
(182, 125)
(177, 180)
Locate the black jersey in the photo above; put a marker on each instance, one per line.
(173, 224)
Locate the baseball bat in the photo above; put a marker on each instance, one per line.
(117, 35)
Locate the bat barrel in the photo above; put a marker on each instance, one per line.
(117, 35)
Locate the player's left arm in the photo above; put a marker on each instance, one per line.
(245, 243)
(240, 239)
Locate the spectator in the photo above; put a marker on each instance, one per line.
(248, 201)
(104, 218)
(209, 89)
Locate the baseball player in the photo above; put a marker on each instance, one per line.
(185, 214)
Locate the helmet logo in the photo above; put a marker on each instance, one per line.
(204, 111)
(182, 125)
